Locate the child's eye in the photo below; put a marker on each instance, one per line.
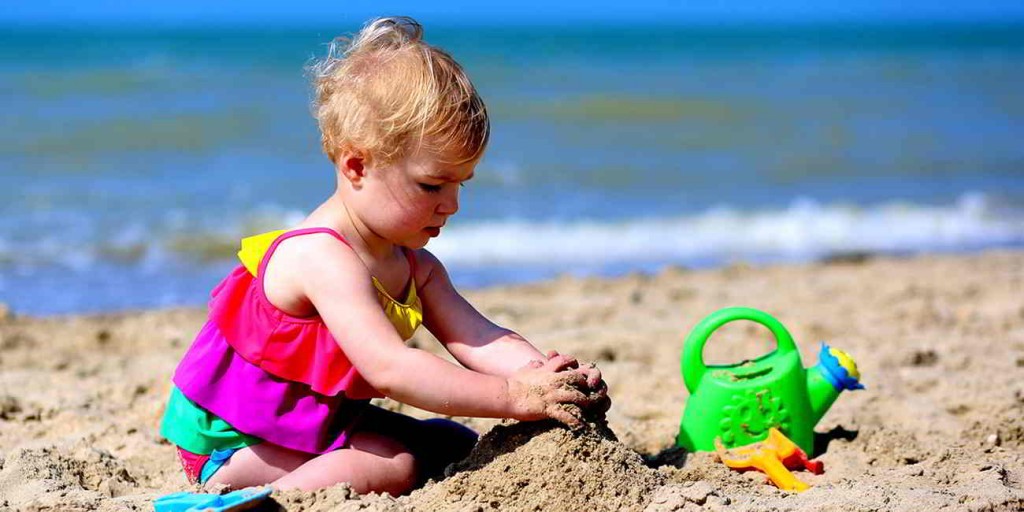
(433, 189)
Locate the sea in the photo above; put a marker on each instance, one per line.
(133, 159)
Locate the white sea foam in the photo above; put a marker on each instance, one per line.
(85, 270)
(806, 229)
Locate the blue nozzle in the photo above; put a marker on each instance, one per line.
(835, 372)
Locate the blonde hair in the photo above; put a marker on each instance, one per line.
(386, 92)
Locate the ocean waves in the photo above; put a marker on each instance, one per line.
(804, 230)
(177, 265)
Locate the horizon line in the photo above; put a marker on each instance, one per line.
(733, 22)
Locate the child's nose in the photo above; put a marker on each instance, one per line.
(450, 202)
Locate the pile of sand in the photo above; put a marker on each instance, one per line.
(519, 466)
(541, 466)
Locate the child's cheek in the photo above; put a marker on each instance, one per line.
(417, 212)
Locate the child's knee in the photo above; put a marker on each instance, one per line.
(406, 473)
(401, 467)
(403, 473)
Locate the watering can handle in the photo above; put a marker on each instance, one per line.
(692, 362)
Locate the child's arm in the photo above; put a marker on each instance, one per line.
(334, 279)
(470, 337)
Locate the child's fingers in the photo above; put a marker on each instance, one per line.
(600, 390)
(553, 354)
(598, 402)
(573, 378)
(595, 400)
(570, 416)
(592, 373)
(560, 362)
(568, 395)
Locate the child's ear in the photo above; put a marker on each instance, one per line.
(352, 166)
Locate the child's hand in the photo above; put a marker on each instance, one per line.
(552, 389)
(593, 375)
(596, 387)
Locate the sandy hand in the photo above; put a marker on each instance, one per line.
(558, 389)
(596, 389)
(590, 370)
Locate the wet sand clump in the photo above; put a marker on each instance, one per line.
(543, 466)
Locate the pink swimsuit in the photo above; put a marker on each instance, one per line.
(268, 375)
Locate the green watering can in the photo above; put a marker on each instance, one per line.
(738, 403)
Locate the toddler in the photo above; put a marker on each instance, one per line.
(276, 387)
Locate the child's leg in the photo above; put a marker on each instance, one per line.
(258, 464)
(435, 443)
(390, 452)
(372, 463)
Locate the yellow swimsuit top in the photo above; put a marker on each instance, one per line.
(406, 316)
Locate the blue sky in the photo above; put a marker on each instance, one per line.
(189, 12)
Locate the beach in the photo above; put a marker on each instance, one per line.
(939, 340)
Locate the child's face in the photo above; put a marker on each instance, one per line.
(408, 201)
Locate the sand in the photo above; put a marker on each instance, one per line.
(939, 340)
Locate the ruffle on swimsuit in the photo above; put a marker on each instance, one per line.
(259, 404)
(296, 349)
(270, 375)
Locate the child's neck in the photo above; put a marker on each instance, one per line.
(335, 214)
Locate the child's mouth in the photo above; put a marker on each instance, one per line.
(433, 231)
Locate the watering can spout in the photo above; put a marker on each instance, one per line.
(835, 372)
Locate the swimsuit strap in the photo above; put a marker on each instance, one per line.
(289, 234)
(409, 255)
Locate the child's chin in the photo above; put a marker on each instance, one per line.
(418, 242)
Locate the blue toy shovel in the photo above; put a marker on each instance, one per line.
(242, 499)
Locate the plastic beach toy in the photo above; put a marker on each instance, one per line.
(740, 403)
(242, 499)
(774, 456)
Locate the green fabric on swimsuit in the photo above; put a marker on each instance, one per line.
(197, 430)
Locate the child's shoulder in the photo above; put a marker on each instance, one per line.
(313, 248)
(428, 266)
(297, 264)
